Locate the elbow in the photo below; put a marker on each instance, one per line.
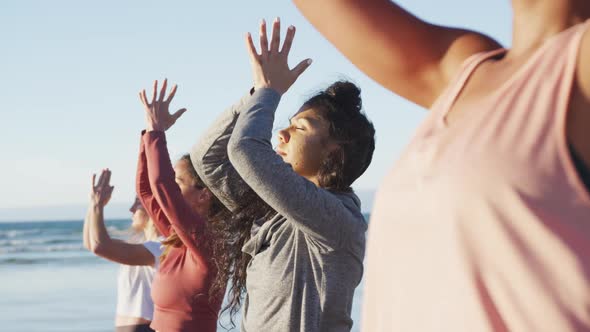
(236, 152)
(97, 248)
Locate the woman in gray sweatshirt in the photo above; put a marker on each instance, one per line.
(297, 232)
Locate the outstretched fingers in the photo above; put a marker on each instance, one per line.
(178, 113)
(263, 40)
(300, 68)
(172, 94)
(254, 57)
(107, 179)
(163, 90)
(276, 36)
(154, 92)
(288, 40)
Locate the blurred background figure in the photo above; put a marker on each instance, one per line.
(138, 256)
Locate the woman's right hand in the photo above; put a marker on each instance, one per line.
(157, 114)
(101, 191)
(270, 68)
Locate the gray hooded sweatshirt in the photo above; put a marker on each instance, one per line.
(307, 259)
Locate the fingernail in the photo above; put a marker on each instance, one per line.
(291, 27)
(262, 21)
(309, 61)
(277, 19)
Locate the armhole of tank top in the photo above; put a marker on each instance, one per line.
(560, 130)
(450, 93)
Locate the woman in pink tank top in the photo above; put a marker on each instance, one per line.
(483, 224)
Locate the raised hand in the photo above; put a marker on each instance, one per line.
(270, 68)
(157, 114)
(101, 191)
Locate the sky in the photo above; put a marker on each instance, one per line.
(70, 72)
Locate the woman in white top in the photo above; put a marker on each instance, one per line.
(139, 257)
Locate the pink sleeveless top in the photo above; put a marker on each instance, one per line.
(485, 225)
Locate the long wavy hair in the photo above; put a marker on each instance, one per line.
(340, 105)
(233, 230)
(209, 236)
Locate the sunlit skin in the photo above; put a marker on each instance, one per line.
(305, 143)
(417, 60)
(159, 118)
(197, 197)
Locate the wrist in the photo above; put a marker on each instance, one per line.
(96, 207)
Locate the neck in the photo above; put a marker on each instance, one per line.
(537, 20)
(314, 179)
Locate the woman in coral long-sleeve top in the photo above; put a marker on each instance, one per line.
(179, 204)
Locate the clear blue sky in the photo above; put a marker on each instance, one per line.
(70, 72)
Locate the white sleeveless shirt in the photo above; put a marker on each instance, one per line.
(134, 285)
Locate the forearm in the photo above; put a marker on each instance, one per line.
(85, 232)
(97, 233)
(167, 194)
(142, 185)
(210, 159)
(315, 210)
(145, 195)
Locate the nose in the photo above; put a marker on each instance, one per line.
(284, 135)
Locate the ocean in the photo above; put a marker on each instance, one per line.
(49, 282)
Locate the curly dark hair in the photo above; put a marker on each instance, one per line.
(216, 208)
(340, 106)
(232, 231)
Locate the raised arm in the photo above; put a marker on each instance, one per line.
(406, 55)
(144, 193)
(85, 232)
(98, 238)
(210, 160)
(316, 211)
(187, 224)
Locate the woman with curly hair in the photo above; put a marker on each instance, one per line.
(296, 235)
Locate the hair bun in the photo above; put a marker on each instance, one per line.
(346, 95)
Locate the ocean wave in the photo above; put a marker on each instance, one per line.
(12, 233)
(40, 248)
(45, 260)
(36, 241)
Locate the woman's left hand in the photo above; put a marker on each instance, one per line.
(101, 191)
(157, 114)
(270, 68)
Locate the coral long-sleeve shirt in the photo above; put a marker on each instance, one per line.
(180, 289)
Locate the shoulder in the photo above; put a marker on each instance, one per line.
(352, 203)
